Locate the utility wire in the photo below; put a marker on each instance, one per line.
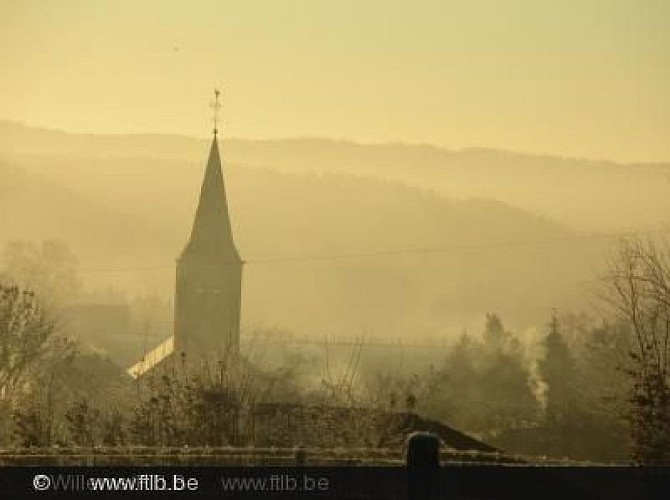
(401, 252)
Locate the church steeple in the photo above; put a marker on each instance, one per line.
(212, 235)
(209, 271)
(208, 281)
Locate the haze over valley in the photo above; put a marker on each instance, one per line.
(340, 239)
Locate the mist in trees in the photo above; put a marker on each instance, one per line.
(594, 389)
(562, 395)
(484, 384)
(48, 268)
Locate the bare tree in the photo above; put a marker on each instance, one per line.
(26, 338)
(29, 352)
(638, 289)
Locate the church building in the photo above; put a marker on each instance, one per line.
(209, 274)
(208, 281)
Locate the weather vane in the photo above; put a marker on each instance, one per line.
(216, 106)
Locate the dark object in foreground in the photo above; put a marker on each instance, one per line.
(423, 466)
(450, 437)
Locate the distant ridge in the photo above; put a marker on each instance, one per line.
(564, 189)
(20, 138)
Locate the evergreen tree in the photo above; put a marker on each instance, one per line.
(454, 395)
(504, 379)
(557, 370)
(495, 337)
(484, 386)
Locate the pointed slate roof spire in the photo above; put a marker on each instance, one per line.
(212, 236)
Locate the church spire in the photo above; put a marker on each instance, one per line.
(211, 236)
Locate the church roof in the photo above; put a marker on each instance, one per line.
(152, 358)
(212, 235)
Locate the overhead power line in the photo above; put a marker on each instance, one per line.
(401, 252)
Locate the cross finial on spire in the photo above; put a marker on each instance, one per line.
(216, 106)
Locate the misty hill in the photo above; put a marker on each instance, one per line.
(128, 226)
(34, 208)
(590, 195)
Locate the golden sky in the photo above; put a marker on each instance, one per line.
(572, 77)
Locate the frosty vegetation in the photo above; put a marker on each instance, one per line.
(588, 389)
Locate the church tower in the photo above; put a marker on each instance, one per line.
(209, 273)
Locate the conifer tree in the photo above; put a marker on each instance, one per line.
(557, 370)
